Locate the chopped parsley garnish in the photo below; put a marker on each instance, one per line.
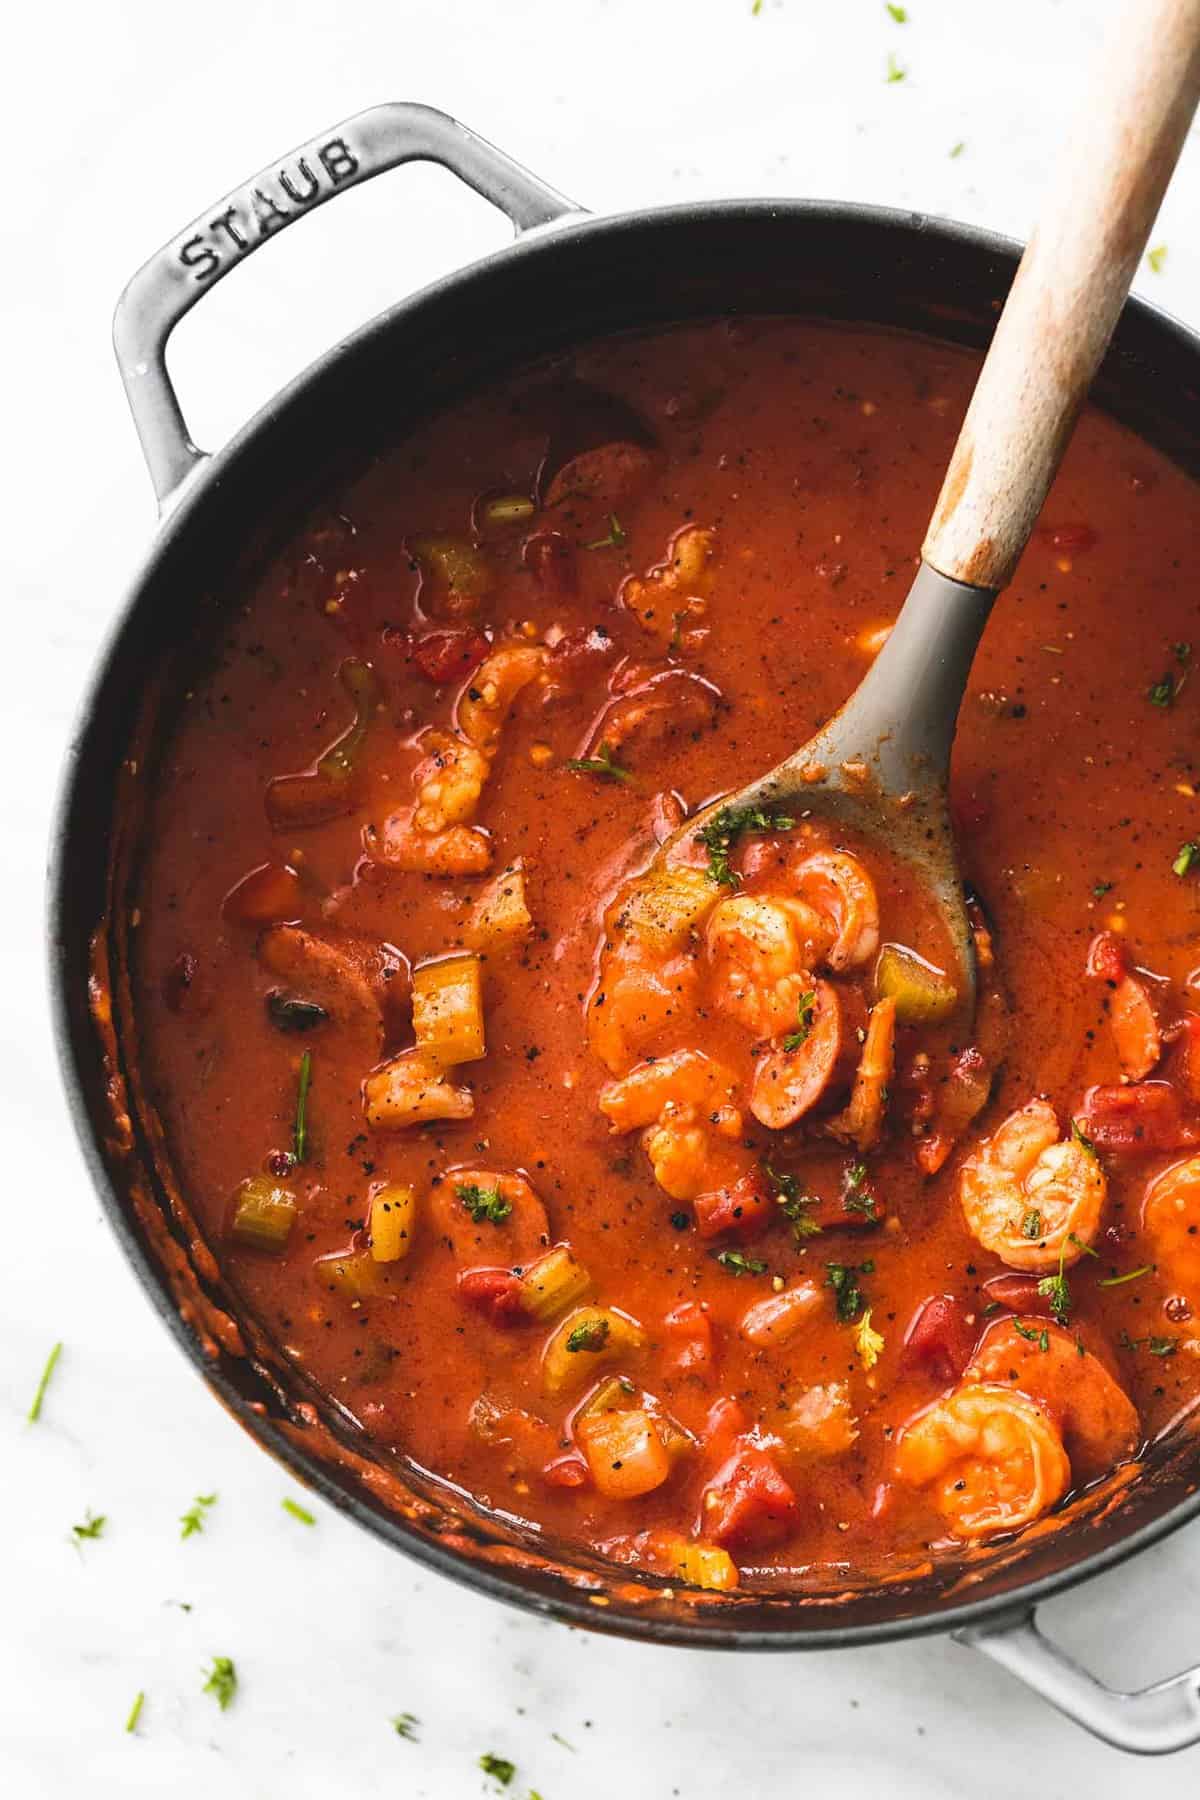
(1080, 1245)
(614, 540)
(603, 763)
(1040, 1338)
(35, 1410)
(1188, 857)
(92, 1527)
(1162, 692)
(135, 1712)
(805, 1007)
(1157, 258)
(300, 1134)
(591, 1335)
(1157, 1346)
(1120, 1280)
(739, 1264)
(957, 150)
(1081, 1137)
(793, 1204)
(724, 829)
(1057, 1289)
(1031, 1224)
(498, 1767)
(222, 1681)
(895, 71)
(405, 1725)
(867, 1342)
(849, 1299)
(856, 1196)
(899, 13)
(193, 1519)
(1101, 888)
(297, 1511)
(483, 1203)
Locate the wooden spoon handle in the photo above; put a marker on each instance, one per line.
(1068, 293)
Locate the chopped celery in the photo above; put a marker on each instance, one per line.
(447, 1004)
(666, 907)
(393, 1216)
(263, 1214)
(500, 916)
(455, 565)
(506, 509)
(553, 1284)
(923, 995)
(584, 1342)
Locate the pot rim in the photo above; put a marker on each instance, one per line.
(706, 1628)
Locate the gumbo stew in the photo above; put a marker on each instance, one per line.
(682, 1217)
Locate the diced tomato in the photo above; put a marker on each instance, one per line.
(496, 1293)
(939, 1337)
(1072, 540)
(1135, 1030)
(724, 1422)
(567, 1471)
(1142, 1119)
(1018, 1293)
(444, 656)
(1106, 957)
(552, 561)
(743, 1210)
(266, 896)
(691, 1332)
(748, 1504)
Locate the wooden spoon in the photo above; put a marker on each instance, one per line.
(880, 766)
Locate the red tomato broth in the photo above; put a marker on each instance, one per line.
(814, 454)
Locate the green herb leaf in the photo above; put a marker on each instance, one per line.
(868, 1342)
(1081, 1137)
(297, 1511)
(1031, 1224)
(899, 13)
(405, 1725)
(603, 763)
(895, 71)
(35, 1410)
(498, 1767)
(193, 1520)
(724, 829)
(793, 1204)
(1162, 692)
(1057, 1289)
(483, 1203)
(300, 1134)
(1040, 1338)
(1133, 1275)
(614, 540)
(1157, 258)
(1162, 1346)
(591, 1335)
(957, 150)
(135, 1712)
(739, 1264)
(92, 1527)
(856, 1197)
(805, 1007)
(222, 1680)
(1185, 862)
(1080, 1245)
(1101, 888)
(849, 1299)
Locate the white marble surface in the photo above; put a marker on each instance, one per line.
(121, 122)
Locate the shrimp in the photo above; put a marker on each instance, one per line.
(1032, 1201)
(449, 782)
(635, 1004)
(862, 1120)
(757, 956)
(789, 1082)
(408, 1090)
(484, 703)
(991, 1457)
(459, 850)
(839, 887)
(1171, 1220)
(685, 1079)
(1097, 1419)
(676, 587)
(687, 1158)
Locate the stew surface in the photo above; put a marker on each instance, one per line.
(683, 1216)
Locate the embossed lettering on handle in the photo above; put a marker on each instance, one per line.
(171, 283)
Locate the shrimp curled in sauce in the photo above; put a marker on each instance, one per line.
(757, 957)
(992, 1459)
(1097, 1419)
(484, 703)
(840, 888)
(1029, 1199)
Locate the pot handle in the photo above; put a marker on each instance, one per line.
(1150, 1722)
(183, 271)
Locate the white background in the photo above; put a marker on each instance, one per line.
(121, 122)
